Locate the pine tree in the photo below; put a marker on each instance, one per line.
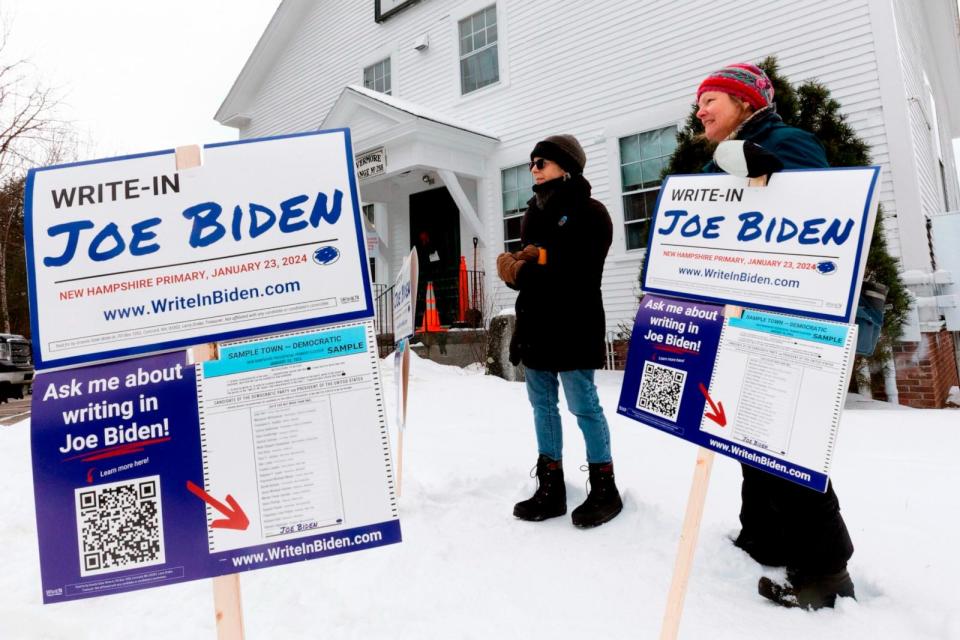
(810, 107)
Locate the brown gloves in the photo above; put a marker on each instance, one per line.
(530, 252)
(508, 264)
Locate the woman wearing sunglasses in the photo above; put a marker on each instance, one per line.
(560, 329)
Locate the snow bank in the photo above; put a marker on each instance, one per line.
(467, 569)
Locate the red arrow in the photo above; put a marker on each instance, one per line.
(718, 415)
(236, 518)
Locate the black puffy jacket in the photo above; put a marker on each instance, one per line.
(560, 320)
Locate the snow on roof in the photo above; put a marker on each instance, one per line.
(419, 111)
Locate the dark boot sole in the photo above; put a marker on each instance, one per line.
(786, 597)
(537, 517)
(580, 524)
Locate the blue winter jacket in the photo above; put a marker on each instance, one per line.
(796, 148)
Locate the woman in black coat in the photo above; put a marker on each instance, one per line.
(560, 331)
(783, 523)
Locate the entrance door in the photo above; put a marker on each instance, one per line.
(435, 232)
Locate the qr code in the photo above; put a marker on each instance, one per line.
(120, 526)
(661, 388)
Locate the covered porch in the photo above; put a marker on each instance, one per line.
(422, 179)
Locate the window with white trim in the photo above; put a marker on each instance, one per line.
(377, 76)
(479, 64)
(642, 159)
(517, 188)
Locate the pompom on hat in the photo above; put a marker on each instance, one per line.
(743, 80)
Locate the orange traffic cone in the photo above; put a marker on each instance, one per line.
(463, 289)
(431, 319)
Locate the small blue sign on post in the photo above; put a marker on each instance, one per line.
(672, 352)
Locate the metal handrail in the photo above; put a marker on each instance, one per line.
(447, 292)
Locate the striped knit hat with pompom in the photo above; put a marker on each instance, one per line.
(743, 80)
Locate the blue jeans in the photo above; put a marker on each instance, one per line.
(582, 400)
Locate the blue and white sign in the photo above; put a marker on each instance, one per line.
(405, 298)
(781, 382)
(764, 389)
(151, 471)
(798, 245)
(672, 351)
(129, 255)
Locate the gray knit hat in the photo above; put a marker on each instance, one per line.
(563, 149)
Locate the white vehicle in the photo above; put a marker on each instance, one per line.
(16, 366)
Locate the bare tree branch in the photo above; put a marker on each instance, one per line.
(31, 134)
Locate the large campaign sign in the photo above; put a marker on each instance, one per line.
(796, 246)
(765, 389)
(129, 256)
(153, 471)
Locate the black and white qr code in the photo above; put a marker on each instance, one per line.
(120, 526)
(661, 388)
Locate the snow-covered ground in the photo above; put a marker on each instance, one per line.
(468, 569)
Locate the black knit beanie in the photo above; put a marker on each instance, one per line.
(563, 149)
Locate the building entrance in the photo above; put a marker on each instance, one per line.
(435, 232)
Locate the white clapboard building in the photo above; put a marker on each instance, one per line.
(445, 99)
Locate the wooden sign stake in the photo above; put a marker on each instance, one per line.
(229, 611)
(404, 385)
(691, 530)
(688, 544)
(226, 589)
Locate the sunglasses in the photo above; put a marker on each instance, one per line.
(539, 163)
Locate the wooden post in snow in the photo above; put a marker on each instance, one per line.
(226, 589)
(402, 410)
(691, 528)
(688, 544)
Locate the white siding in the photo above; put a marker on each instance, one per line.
(629, 67)
(917, 59)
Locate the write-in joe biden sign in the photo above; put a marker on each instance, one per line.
(797, 245)
(129, 255)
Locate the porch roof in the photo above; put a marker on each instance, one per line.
(412, 135)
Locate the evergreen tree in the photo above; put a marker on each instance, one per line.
(810, 107)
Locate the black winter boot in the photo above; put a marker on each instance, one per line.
(603, 502)
(550, 499)
(808, 592)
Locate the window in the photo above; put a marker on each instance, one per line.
(478, 50)
(517, 189)
(377, 76)
(384, 9)
(642, 158)
(370, 214)
(373, 242)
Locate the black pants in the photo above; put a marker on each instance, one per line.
(788, 524)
